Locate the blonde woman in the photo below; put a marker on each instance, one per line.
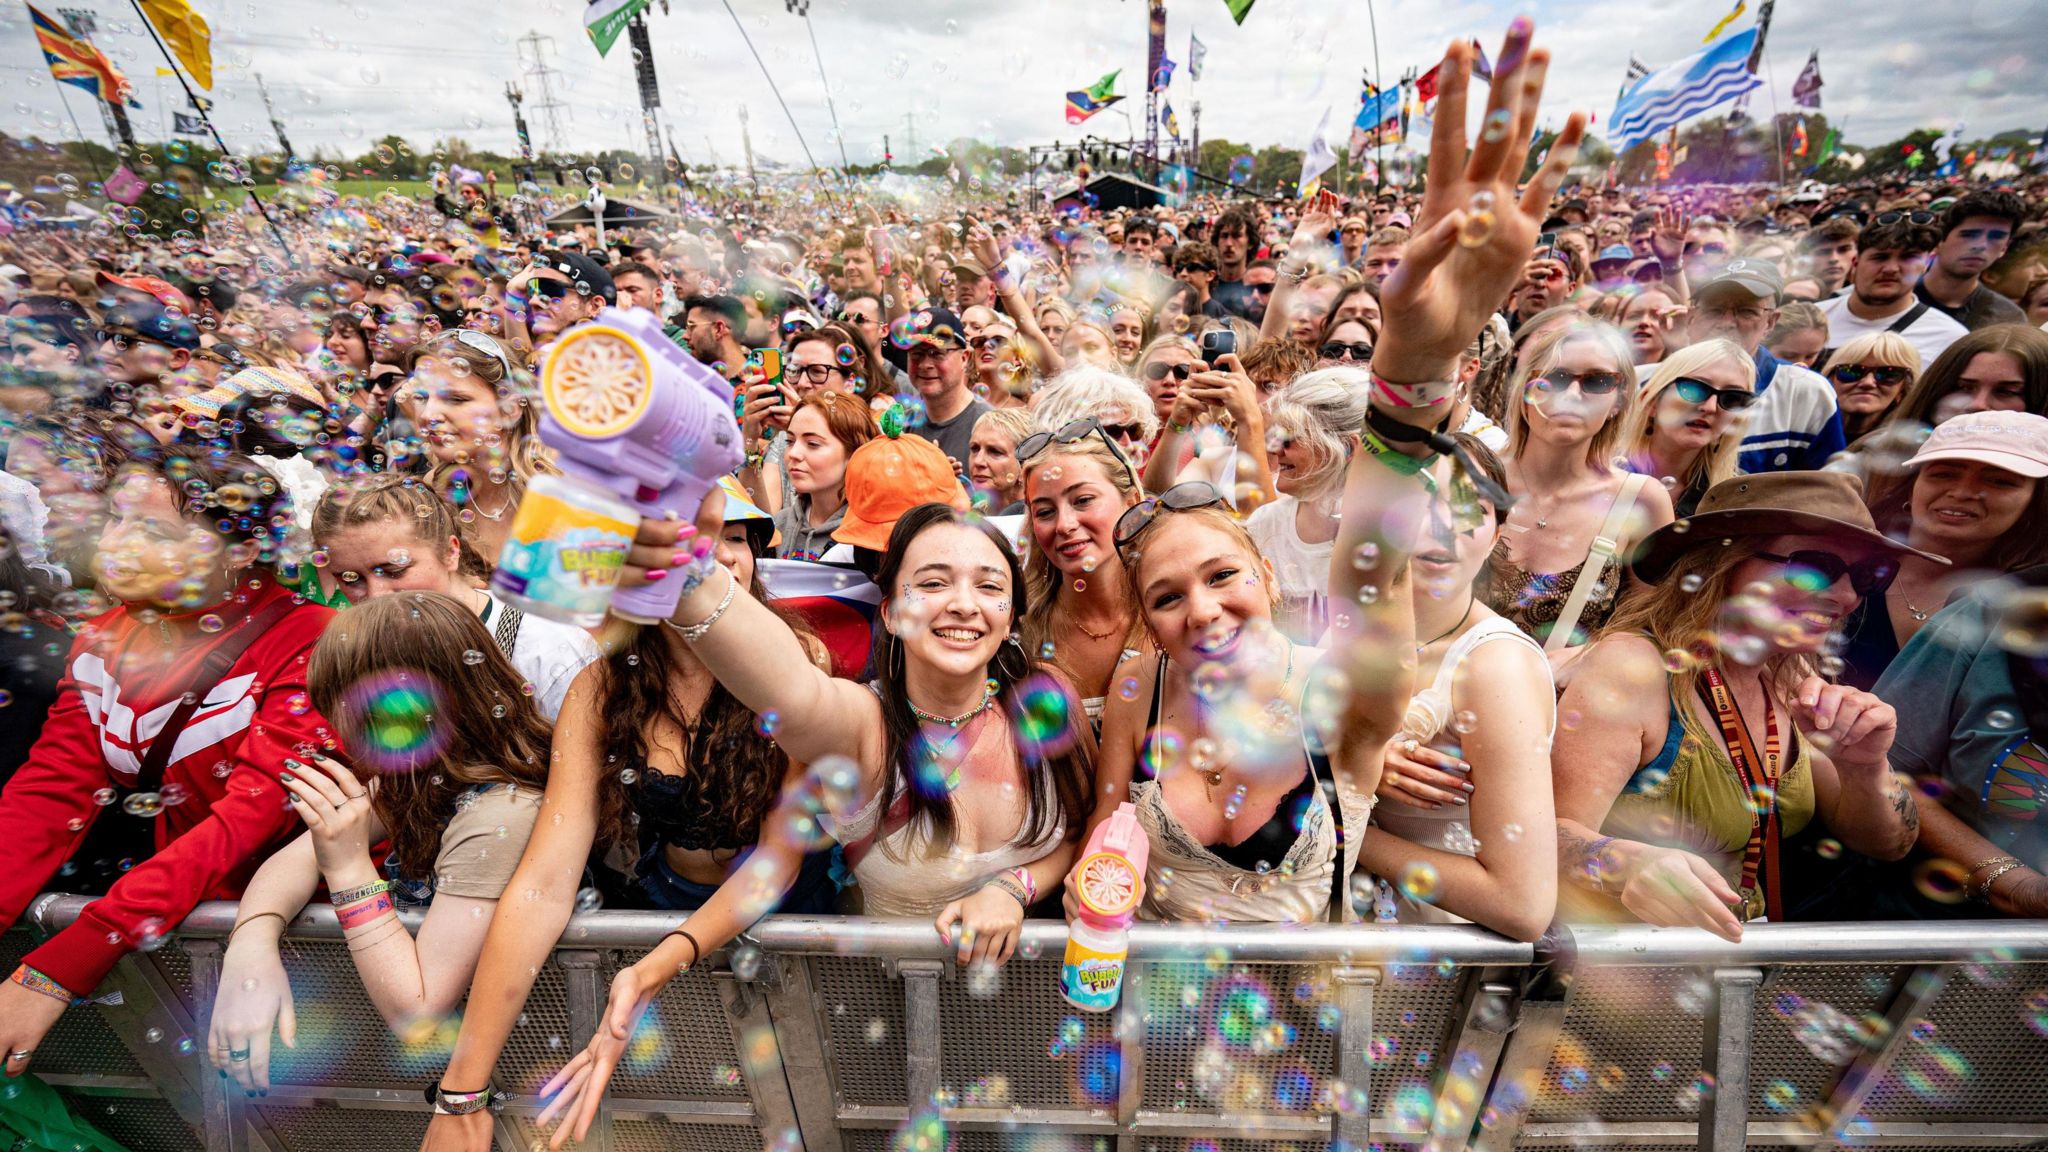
(1082, 617)
(1215, 428)
(1687, 431)
(1311, 432)
(1869, 374)
(1110, 398)
(1572, 396)
(481, 434)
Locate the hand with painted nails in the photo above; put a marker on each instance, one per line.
(1422, 776)
(336, 809)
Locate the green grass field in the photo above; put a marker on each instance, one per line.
(417, 188)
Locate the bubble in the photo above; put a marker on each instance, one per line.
(173, 794)
(1162, 750)
(1127, 688)
(846, 355)
(1942, 881)
(211, 623)
(1479, 221)
(144, 804)
(392, 717)
(2000, 719)
(153, 1035)
(1419, 881)
(1678, 661)
(1465, 722)
(105, 796)
(589, 900)
(1829, 848)
(1242, 1008)
(2035, 1008)
(1042, 720)
(1691, 582)
(1366, 557)
(298, 704)
(628, 775)
(472, 657)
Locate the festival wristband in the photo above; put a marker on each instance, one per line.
(1009, 887)
(35, 981)
(1428, 394)
(1025, 880)
(361, 892)
(1381, 451)
(460, 1103)
(364, 911)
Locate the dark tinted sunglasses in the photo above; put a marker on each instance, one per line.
(1159, 371)
(551, 288)
(1868, 577)
(1179, 498)
(1186, 268)
(1590, 383)
(1261, 289)
(1697, 391)
(1887, 375)
(1072, 431)
(1337, 350)
(1909, 217)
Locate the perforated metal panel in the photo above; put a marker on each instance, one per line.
(1788, 1080)
(1978, 1057)
(81, 1044)
(685, 1050)
(1240, 1038)
(139, 1125)
(1630, 1050)
(1009, 1038)
(657, 1136)
(863, 1008)
(174, 964)
(1412, 1010)
(1020, 1141)
(354, 1129)
(342, 1041)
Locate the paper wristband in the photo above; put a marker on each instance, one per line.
(363, 911)
(1425, 395)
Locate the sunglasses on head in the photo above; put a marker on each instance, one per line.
(1869, 577)
(1179, 498)
(1908, 217)
(1070, 432)
(1698, 391)
(1886, 375)
(1338, 350)
(1158, 371)
(1595, 383)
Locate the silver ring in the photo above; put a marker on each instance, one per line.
(237, 1055)
(1409, 746)
(357, 795)
(21, 1054)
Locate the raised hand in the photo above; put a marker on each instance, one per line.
(1474, 233)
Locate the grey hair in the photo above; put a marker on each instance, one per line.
(1323, 409)
(1085, 390)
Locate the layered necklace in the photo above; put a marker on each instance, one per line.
(945, 746)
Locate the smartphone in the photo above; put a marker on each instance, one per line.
(1546, 240)
(878, 243)
(1217, 343)
(768, 362)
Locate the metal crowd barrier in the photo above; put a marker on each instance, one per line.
(860, 1035)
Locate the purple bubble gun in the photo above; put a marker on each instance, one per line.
(629, 412)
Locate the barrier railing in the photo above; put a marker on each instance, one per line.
(832, 1034)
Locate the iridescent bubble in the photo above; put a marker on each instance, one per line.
(105, 796)
(846, 355)
(1042, 719)
(144, 804)
(1242, 1008)
(1161, 751)
(390, 717)
(1419, 881)
(2034, 1012)
(1479, 222)
(1942, 881)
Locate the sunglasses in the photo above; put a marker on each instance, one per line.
(1186, 268)
(551, 288)
(1868, 577)
(1699, 391)
(1179, 498)
(1596, 383)
(1072, 431)
(1706, 249)
(1158, 371)
(1261, 289)
(1909, 217)
(981, 342)
(1886, 375)
(1338, 350)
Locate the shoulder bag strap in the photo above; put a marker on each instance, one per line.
(1906, 320)
(1326, 782)
(1606, 545)
(149, 776)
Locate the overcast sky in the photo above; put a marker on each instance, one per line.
(343, 74)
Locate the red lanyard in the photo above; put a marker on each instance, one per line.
(1759, 778)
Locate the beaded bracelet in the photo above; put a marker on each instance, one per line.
(360, 892)
(364, 911)
(460, 1103)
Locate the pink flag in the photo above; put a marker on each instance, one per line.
(125, 187)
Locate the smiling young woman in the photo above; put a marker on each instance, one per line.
(482, 437)
(1687, 431)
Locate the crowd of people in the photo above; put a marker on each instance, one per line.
(1497, 551)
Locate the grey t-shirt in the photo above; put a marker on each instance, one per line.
(1983, 309)
(953, 435)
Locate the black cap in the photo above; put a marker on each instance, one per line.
(586, 274)
(936, 326)
(150, 320)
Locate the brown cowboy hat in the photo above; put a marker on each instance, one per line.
(1827, 504)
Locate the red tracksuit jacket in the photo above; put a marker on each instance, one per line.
(122, 680)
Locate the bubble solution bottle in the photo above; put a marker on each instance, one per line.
(1108, 882)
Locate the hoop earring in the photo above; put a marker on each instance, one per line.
(893, 660)
(1013, 651)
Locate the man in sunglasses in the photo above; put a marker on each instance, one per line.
(1794, 424)
(145, 352)
(1975, 232)
(1194, 263)
(1892, 253)
(563, 289)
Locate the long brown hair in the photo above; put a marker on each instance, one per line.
(1682, 612)
(416, 686)
(2025, 545)
(2023, 342)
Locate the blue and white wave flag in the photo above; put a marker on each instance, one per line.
(1679, 91)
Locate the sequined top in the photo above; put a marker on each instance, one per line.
(1532, 601)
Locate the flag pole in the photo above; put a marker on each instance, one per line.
(1379, 138)
(76, 127)
(193, 98)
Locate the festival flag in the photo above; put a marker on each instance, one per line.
(1741, 6)
(1239, 9)
(1806, 89)
(1684, 89)
(185, 33)
(73, 60)
(1240, 168)
(1169, 121)
(1799, 141)
(184, 125)
(839, 604)
(1163, 76)
(1088, 101)
(1481, 68)
(1316, 160)
(605, 19)
(1379, 118)
(124, 186)
(1196, 50)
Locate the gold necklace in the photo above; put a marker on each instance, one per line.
(1075, 619)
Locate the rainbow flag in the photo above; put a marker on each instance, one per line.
(1088, 101)
(73, 60)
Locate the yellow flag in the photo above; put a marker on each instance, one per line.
(185, 33)
(1741, 6)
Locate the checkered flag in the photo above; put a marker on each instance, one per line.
(798, 7)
